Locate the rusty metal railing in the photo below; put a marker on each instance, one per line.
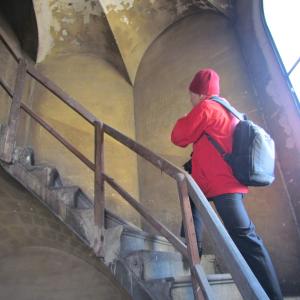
(246, 282)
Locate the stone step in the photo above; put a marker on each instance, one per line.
(136, 288)
(24, 155)
(149, 265)
(121, 239)
(222, 285)
(134, 240)
(58, 199)
(126, 239)
(45, 182)
(49, 176)
(81, 220)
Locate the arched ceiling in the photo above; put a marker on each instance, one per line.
(135, 24)
(119, 30)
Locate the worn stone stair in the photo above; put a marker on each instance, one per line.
(147, 265)
(222, 286)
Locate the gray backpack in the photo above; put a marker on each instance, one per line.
(253, 151)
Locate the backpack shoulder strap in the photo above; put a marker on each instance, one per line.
(230, 108)
(216, 145)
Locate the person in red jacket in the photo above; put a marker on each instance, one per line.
(215, 178)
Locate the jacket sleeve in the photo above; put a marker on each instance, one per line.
(189, 128)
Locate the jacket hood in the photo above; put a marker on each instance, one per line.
(205, 82)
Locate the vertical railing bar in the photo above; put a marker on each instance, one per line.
(99, 197)
(204, 292)
(8, 140)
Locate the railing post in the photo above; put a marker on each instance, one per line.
(8, 139)
(99, 201)
(201, 288)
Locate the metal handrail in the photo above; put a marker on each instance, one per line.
(246, 282)
(26, 67)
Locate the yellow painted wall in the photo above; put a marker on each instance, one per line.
(78, 53)
(95, 88)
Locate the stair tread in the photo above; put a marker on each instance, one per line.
(50, 174)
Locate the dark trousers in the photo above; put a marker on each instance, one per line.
(232, 211)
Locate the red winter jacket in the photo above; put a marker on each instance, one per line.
(210, 171)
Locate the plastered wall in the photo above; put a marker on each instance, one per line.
(77, 51)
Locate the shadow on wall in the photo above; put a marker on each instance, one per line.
(21, 17)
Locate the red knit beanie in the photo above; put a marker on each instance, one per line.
(205, 82)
